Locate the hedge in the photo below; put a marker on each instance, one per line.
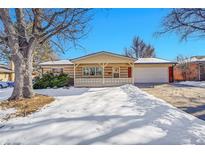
(50, 80)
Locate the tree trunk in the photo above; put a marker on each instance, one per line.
(18, 68)
(23, 75)
(28, 59)
(28, 85)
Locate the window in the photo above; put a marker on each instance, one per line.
(92, 71)
(86, 71)
(57, 70)
(99, 71)
(116, 72)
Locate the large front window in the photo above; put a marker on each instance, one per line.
(99, 71)
(92, 71)
(57, 71)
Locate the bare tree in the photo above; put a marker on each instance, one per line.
(185, 23)
(184, 64)
(41, 54)
(21, 30)
(139, 49)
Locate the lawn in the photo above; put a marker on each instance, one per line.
(112, 115)
(187, 96)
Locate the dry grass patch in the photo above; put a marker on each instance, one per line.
(25, 107)
(187, 98)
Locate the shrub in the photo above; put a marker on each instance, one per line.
(50, 80)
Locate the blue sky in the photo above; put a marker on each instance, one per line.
(113, 30)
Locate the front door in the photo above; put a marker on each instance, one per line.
(116, 72)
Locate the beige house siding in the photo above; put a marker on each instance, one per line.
(78, 71)
(107, 61)
(108, 71)
(7, 72)
(46, 69)
(67, 69)
(123, 70)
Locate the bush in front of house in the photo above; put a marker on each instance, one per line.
(52, 81)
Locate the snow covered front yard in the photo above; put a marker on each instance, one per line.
(114, 115)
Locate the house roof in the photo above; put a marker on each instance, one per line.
(153, 61)
(57, 62)
(3, 66)
(5, 69)
(138, 61)
(101, 52)
(194, 59)
(197, 59)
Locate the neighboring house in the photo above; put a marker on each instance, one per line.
(6, 74)
(110, 69)
(56, 67)
(195, 70)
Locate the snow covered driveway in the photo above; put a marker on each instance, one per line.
(115, 115)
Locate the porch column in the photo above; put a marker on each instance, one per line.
(132, 68)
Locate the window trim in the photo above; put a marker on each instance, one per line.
(91, 71)
(61, 68)
(100, 68)
(89, 75)
(83, 72)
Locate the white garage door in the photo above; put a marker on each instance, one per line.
(151, 74)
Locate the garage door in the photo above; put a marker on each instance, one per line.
(151, 74)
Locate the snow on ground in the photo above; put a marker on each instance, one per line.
(5, 113)
(193, 83)
(114, 115)
(5, 93)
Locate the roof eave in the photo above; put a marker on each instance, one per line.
(96, 53)
(158, 63)
(53, 64)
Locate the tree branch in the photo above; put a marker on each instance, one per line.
(10, 30)
(51, 20)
